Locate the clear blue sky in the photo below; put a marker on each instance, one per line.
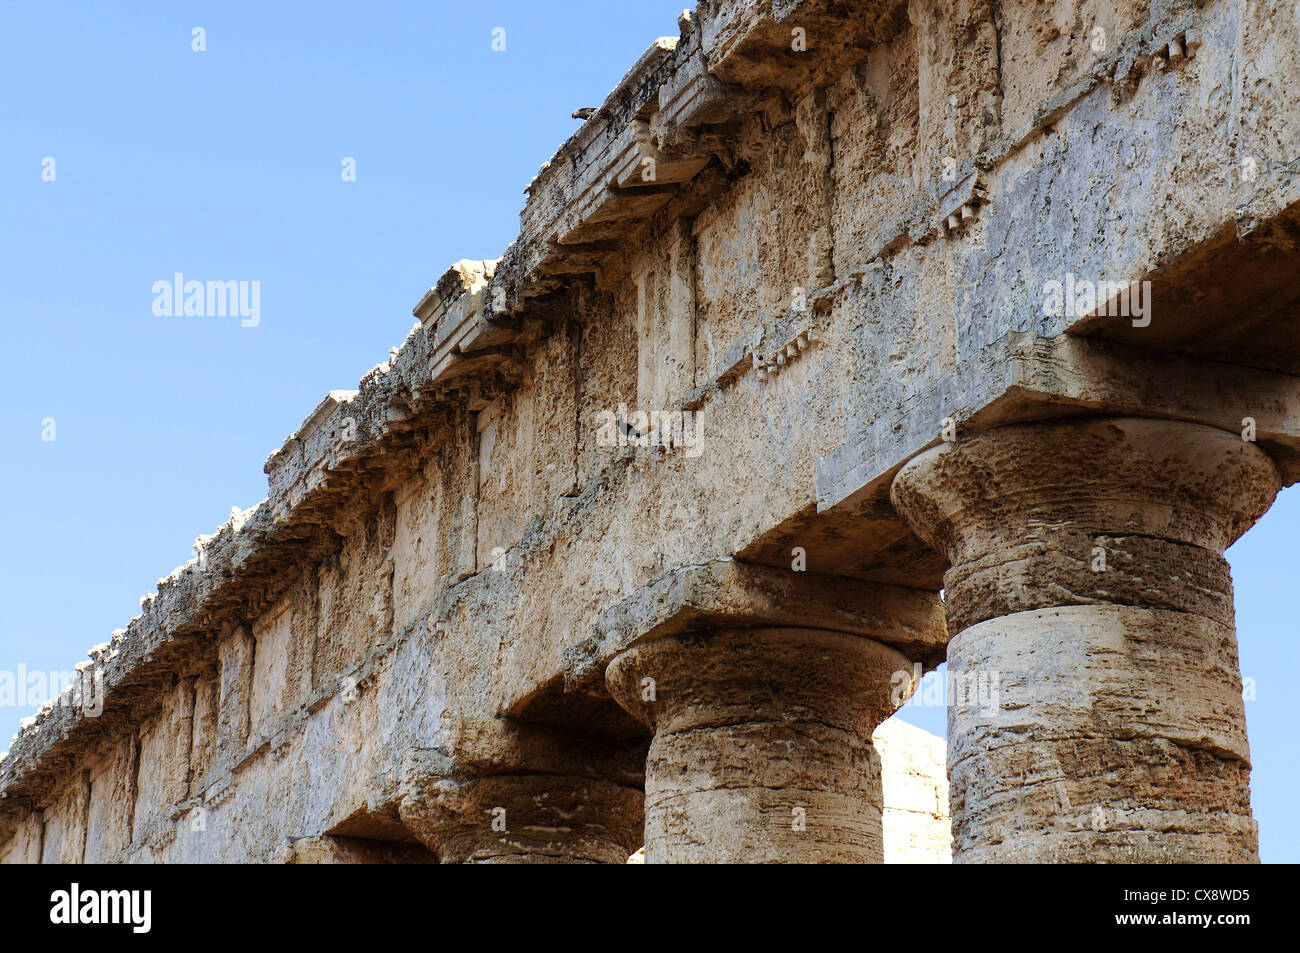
(225, 164)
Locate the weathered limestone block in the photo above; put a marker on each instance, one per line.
(24, 846)
(752, 43)
(435, 532)
(1088, 586)
(458, 292)
(959, 77)
(526, 448)
(786, 194)
(1028, 376)
(162, 778)
(345, 610)
(274, 688)
(112, 802)
(914, 787)
(63, 838)
(500, 792)
(666, 323)
(1050, 47)
(330, 768)
(204, 723)
(874, 125)
(722, 592)
(236, 654)
(352, 850)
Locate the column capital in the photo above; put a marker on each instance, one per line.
(734, 675)
(1079, 510)
(1169, 479)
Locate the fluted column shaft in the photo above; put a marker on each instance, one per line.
(1098, 712)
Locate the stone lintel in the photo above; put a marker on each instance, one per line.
(1026, 377)
(726, 593)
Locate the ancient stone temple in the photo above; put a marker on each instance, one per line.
(845, 337)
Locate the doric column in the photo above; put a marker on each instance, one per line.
(762, 732)
(1097, 713)
(504, 793)
(762, 748)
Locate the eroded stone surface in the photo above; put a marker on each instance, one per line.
(914, 787)
(836, 261)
